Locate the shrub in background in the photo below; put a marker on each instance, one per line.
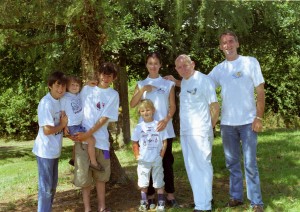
(18, 113)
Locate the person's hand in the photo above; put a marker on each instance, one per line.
(161, 125)
(92, 83)
(66, 131)
(257, 125)
(64, 120)
(148, 88)
(170, 77)
(72, 137)
(81, 136)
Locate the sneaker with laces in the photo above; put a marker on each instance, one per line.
(143, 205)
(160, 206)
(97, 167)
(258, 208)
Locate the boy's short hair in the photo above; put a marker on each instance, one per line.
(228, 32)
(108, 68)
(57, 76)
(146, 103)
(74, 79)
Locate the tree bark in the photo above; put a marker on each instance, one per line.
(118, 175)
(121, 85)
(91, 39)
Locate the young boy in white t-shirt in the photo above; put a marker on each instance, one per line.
(100, 106)
(149, 147)
(48, 143)
(72, 106)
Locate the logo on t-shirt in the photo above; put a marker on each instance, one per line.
(100, 105)
(237, 75)
(192, 91)
(161, 91)
(76, 106)
(150, 140)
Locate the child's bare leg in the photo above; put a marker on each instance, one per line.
(160, 190)
(91, 150)
(86, 191)
(100, 186)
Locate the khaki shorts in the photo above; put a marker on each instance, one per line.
(83, 175)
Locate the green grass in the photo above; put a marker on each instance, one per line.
(278, 159)
(18, 172)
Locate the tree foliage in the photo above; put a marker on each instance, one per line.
(37, 37)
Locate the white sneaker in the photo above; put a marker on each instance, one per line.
(143, 205)
(160, 206)
(151, 204)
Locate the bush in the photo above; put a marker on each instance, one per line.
(18, 114)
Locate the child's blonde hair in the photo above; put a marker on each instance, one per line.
(146, 103)
(73, 79)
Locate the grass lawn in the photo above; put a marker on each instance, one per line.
(278, 159)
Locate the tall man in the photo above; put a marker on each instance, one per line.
(199, 111)
(242, 113)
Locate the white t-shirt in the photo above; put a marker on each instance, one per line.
(48, 146)
(97, 103)
(197, 93)
(238, 79)
(160, 99)
(150, 141)
(71, 104)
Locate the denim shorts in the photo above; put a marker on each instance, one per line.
(75, 129)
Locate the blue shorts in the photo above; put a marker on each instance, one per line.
(75, 129)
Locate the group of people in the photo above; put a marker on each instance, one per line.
(85, 117)
(241, 119)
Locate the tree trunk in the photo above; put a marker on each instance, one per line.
(118, 175)
(121, 85)
(91, 38)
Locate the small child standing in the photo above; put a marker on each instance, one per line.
(48, 143)
(71, 105)
(149, 147)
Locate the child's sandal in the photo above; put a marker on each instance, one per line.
(97, 168)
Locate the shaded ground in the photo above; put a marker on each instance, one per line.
(119, 198)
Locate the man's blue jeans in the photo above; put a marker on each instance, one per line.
(235, 137)
(48, 176)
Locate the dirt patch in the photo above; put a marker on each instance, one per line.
(118, 198)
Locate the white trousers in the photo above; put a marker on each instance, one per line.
(145, 169)
(197, 151)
